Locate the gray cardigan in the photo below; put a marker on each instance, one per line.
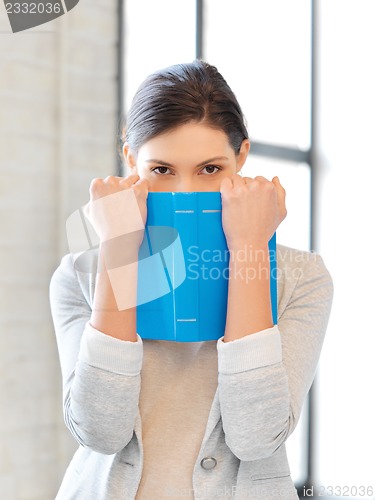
(262, 382)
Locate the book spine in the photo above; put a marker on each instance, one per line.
(186, 296)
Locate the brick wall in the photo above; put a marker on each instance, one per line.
(58, 123)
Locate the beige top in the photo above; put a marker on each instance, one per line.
(178, 383)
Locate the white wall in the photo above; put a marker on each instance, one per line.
(57, 131)
(346, 156)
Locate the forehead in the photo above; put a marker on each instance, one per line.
(193, 139)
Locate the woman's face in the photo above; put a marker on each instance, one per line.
(192, 157)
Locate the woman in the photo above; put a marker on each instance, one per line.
(207, 420)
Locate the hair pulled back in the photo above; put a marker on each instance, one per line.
(179, 94)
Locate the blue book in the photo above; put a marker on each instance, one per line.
(183, 269)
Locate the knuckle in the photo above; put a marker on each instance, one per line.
(129, 180)
(96, 184)
(111, 179)
(254, 185)
(124, 183)
(229, 194)
(240, 190)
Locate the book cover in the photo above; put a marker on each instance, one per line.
(183, 269)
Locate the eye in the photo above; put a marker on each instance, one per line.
(210, 169)
(161, 170)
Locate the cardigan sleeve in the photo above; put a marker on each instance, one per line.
(265, 377)
(100, 374)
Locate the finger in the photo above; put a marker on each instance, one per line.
(141, 180)
(238, 181)
(279, 187)
(129, 181)
(226, 186)
(132, 177)
(141, 186)
(94, 184)
(112, 179)
(248, 180)
(281, 195)
(262, 179)
(97, 188)
(276, 181)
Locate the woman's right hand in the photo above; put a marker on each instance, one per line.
(117, 211)
(117, 207)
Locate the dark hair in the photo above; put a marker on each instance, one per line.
(180, 94)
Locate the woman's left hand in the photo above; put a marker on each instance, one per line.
(253, 208)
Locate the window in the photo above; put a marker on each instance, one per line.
(157, 34)
(263, 50)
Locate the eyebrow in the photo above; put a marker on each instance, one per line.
(161, 162)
